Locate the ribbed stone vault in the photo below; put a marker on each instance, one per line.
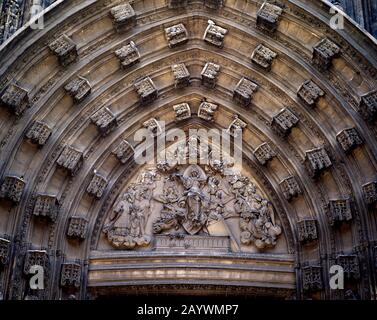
(27, 61)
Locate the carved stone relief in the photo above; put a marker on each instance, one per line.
(215, 34)
(309, 92)
(243, 93)
(370, 192)
(105, 121)
(77, 227)
(236, 126)
(124, 17)
(316, 161)
(324, 52)
(268, 17)
(65, 49)
(175, 200)
(146, 90)
(79, 88)
(307, 230)
(312, 278)
(39, 133)
(71, 160)
(12, 188)
(209, 74)
(16, 99)
(123, 151)
(264, 153)
(207, 110)
(97, 185)
(70, 275)
(290, 188)
(176, 35)
(182, 111)
(263, 57)
(349, 139)
(284, 121)
(128, 55)
(340, 211)
(181, 75)
(368, 106)
(46, 206)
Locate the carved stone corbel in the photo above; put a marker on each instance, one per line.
(243, 93)
(310, 93)
(65, 49)
(182, 111)
(368, 106)
(264, 153)
(97, 185)
(370, 192)
(5, 247)
(176, 35)
(307, 230)
(146, 90)
(77, 227)
(349, 139)
(105, 121)
(323, 54)
(124, 17)
(316, 161)
(46, 206)
(290, 188)
(340, 211)
(181, 75)
(71, 160)
(214, 4)
(39, 133)
(70, 276)
(312, 278)
(215, 34)
(236, 127)
(283, 122)
(12, 188)
(263, 57)
(268, 17)
(207, 110)
(209, 74)
(79, 88)
(128, 55)
(16, 99)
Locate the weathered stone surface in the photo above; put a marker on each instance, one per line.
(263, 57)
(243, 93)
(324, 52)
(181, 75)
(310, 93)
(340, 210)
(36, 258)
(5, 247)
(350, 264)
(39, 133)
(128, 55)
(70, 275)
(65, 49)
(79, 88)
(192, 243)
(12, 188)
(46, 206)
(15, 98)
(123, 151)
(182, 111)
(209, 74)
(290, 188)
(124, 17)
(312, 278)
(307, 230)
(105, 121)
(153, 127)
(177, 3)
(316, 161)
(176, 35)
(146, 90)
(349, 139)
(370, 192)
(283, 122)
(70, 159)
(77, 227)
(214, 4)
(215, 34)
(236, 127)
(97, 185)
(368, 106)
(207, 110)
(268, 17)
(264, 153)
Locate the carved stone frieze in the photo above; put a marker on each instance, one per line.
(350, 265)
(236, 127)
(263, 57)
(146, 90)
(370, 192)
(264, 153)
(268, 17)
(5, 247)
(209, 74)
(71, 160)
(182, 111)
(79, 88)
(309, 92)
(312, 278)
(290, 188)
(340, 210)
(77, 227)
(46, 206)
(215, 34)
(349, 139)
(97, 185)
(12, 188)
(123, 151)
(214, 4)
(324, 52)
(284, 121)
(207, 110)
(153, 127)
(316, 161)
(124, 17)
(39, 133)
(65, 49)
(105, 121)
(70, 276)
(181, 75)
(243, 93)
(36, 258)
(191, 200)
(128, 55)
(176, 35)
(307, 230)
(15, 98)
(368, 106)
